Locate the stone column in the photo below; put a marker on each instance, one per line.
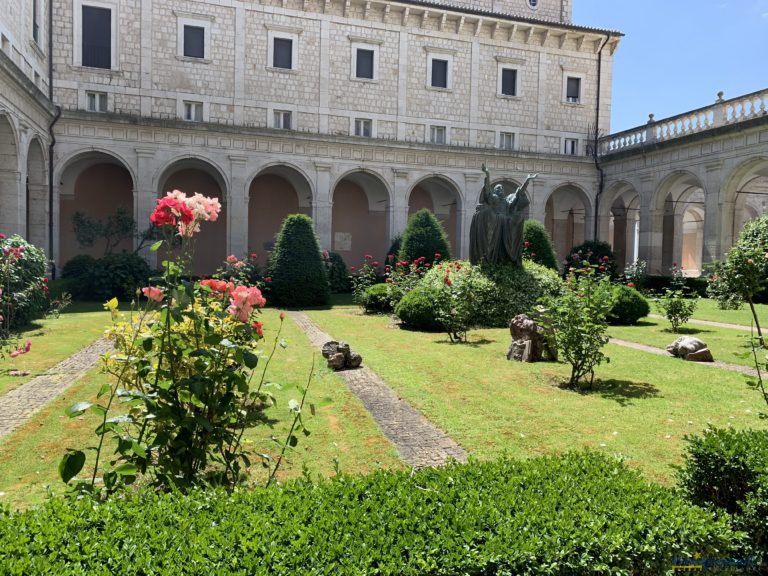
(237, 208)
(619, 238)
(651, 227)
(400, 207)
(11, 221)
(718, 216)
(322, 207)
(144, 198)
(677, 235)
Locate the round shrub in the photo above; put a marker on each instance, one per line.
(538, 245)
(376, 299)
(338, 275)
(424, 236)
(114, 276)
(417, 309)
(24, 289)
(628, 306)
(594, 252)
(296, 266)
(78, 266)
(462, 273)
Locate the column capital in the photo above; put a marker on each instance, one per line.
(323, 167)
(238, 160)
(145, 152)
(400, 173)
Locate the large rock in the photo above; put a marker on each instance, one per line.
(691, 349)
(529, 343)
(340, 356)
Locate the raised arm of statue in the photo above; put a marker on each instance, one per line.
(524, 186)
(485, 195)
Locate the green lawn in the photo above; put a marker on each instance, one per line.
(707, 309)
(343, 430)
(53, 340)
(724, 343)
(642, 408)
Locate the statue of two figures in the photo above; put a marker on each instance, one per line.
(496, 233)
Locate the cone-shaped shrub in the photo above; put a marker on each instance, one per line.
(539, 245)
(296, 267)
(424, 236)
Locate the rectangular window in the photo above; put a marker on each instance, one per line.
(35, 22)
(364, 67)
(282, 56)
(573, 90)
(193, 111)
(507, 141)
(97, 37)
(282, 120)
(439, 73)
(509, 82)
(96, 101)
(363, 127)
(437, 134)
(571, 147)
(194, 41)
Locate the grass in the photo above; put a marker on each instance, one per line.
(707, 309)
(641, 409)
(724, 343)
(53, 340)
(342, 431)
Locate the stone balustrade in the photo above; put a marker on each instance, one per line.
(721, 113)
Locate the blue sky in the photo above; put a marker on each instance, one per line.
(677, 54)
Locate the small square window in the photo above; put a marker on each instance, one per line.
(439, 73)
(282, 55)
(194, 41)
(437, 134)
(282, 120)
(363, 127)
(509, 82)
(97, 37)
(193, 111)
(571, 147)
(364, 65)
(573, 90)
(96, 101)
(507, 140)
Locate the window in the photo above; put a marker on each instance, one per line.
(439, 77)
(194, 41)
(364, 63)
(533, 3)
(282, 120)
(571, 147)
(508, 82)
(96, 101)
(282, 53)
(35, 21)
(193, 111)
(573, 89)
(437, 134)
(363, 127)
(96, 37)
(507, 140)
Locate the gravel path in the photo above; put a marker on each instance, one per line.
(419, 442)
(708, 323)
(18, 405)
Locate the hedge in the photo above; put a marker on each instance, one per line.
(376, 299)
(424, 236)
(539, 247)
(580, 513)
(628, 306)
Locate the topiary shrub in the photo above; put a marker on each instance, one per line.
(423, 236)
(538, 245)
(296, 269)
(114, 276)
(24, 295)
(417, 310)
(78, 267)
(375, 299)
(628, 306)
(338, 275)
(596, 252)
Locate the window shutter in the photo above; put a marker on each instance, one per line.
(283, 53)
(440, 73)
(364, 67)
(509, 82)
(574, 88)
(97, 37)
(194, 41)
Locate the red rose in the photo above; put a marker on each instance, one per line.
(268, 279)
(601, 268)
(526, 244)
(282, 315)
(631, 284)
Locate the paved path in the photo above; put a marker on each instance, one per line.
(708, 323)
(419, 442)
(661, 352)
(18, 405)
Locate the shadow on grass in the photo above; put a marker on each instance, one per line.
(686, 331)
(470, 344)
(623, 391)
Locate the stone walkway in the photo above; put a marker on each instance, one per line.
(708, 323)
(661, 352)
(18, 405)
(419, 442)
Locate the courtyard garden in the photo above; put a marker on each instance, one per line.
(214, 437)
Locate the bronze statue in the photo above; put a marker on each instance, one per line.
(496, 233)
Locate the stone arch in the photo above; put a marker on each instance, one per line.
(95, 183)
(10, 201)
(745, 196)
(274, 192)
(361, 203)
(192, 174)
(36, 203)
(567, 217)
(442, 196)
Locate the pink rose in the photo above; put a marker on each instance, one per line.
(152, 293)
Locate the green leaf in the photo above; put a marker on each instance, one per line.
(156, 246)
(106, 387)
(293, 441)
(126, 469)
(139, 450)
(71, 464)
(294, 406)
(250, 359)
(147, 343)
(77, 409)
(98, 409)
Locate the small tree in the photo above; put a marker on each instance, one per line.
(296, 269)
(745, 271)
(595, 252)
(424, 236)
(675, 305)
(537, 245)
(118, 226)
(577, 321)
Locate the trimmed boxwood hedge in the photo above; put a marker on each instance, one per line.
(628, 306)
(376, 299)
(580, 513)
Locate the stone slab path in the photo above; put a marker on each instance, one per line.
(419, 442)
(18, 405)
(708, 323)
(661, 352)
